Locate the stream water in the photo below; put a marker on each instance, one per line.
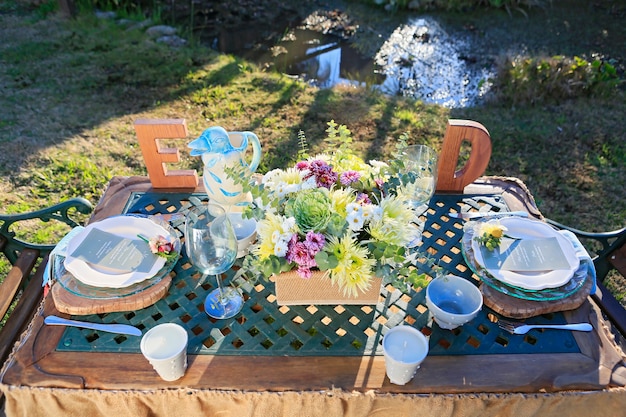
(443, 58)
(419, 60)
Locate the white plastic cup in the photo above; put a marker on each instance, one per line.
(405, 348)
(165, 347)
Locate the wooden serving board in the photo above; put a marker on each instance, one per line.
(67, 302)
(522, 309)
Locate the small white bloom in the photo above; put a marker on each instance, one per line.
(354, 208)
(289, 225)
(280, 248)
(291, 188)
(280, 189)
(308, 183)
(268, 179)
(322, 157)
(355, 220)
(377, 212)
(367, 212)
(378, 165)
(275, 236)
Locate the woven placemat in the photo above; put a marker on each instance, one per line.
(67, 302)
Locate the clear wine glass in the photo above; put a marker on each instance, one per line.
(419, 179)
(420, 174)
(212, 248)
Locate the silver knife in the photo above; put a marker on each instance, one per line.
(476, 215)
(112, 328)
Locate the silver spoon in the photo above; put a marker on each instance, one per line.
(112, 328)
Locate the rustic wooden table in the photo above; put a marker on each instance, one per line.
(476, 358)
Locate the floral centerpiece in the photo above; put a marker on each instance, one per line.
(334, 213)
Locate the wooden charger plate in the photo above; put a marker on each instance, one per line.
(67, 302)
(517, 308)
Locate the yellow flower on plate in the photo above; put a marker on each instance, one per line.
(490, 234)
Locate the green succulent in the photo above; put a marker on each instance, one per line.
(311, 208)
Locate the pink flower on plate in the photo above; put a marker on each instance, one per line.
(161, 246)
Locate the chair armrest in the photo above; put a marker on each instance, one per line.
(22, 314)
(62, 212)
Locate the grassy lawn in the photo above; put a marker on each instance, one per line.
(72, 89)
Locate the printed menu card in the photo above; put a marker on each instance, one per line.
(115, 254)
(542, 254)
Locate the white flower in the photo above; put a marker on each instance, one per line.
(322, 157)
(355, 220)
(293, 188)
(354, 207)
(268, 179)
(280, 248)
(378, 165)
(308, 183)
(289, 225)
(281, 189)
(377, 212)
(368, 212)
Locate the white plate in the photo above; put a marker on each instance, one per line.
(532, 229)
(126, 226)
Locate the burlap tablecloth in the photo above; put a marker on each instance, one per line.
(24, 401)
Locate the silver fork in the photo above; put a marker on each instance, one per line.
(523, 328)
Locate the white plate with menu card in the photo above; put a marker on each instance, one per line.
(528, 230)
(128, 227)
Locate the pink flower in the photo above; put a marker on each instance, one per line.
(349, 177)
(162, 247)
(300, 254)
(363, 199)
(322, 172)
(303, 165)
(314, 242)
(304, 272)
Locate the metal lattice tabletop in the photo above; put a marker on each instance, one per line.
(264, 328)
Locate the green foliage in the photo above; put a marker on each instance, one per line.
(541, 79)
(303, 147)
(46, 8)
(338, 138)
(458, 5)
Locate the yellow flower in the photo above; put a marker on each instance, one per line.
(267, 227)
(391, 226)
(493, 229)
(354, 270)
(340, 198)
(342, 162)
(490, 234)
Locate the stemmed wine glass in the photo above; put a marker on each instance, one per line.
(212, 248)
(419, 178)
